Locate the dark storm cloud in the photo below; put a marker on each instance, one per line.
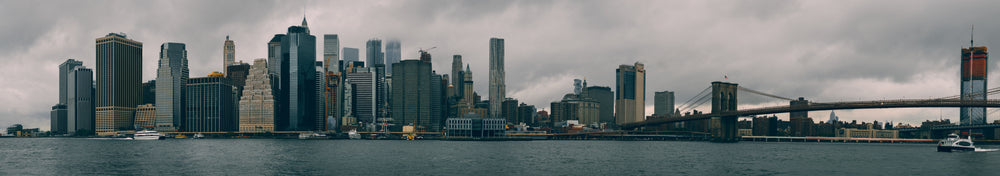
(821, 50)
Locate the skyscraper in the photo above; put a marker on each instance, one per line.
(237, 73)
(274, 57)
(392, 54)
(298, 78)
(319, 107)
(228, 54)
(630, 101)
(80, 100)
(457, 75)
(64, 69)
(119, 82)
(351, 54)
(497, 83)
(974, 71)
(363, 92)
(331, 53)
(663, 103)
(373, 53)
(59, 111)
(211, 104)
(172, 75)
(256, 106)
(331, 77)
(412, 90)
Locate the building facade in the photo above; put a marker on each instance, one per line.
(630, 100)
(256, 106)
(119, 82)
(497, 77)
(172, 74)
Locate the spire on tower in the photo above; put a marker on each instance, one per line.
(304, 21)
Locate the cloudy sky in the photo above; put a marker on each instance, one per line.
(822, 50)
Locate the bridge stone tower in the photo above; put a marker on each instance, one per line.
(724, 129)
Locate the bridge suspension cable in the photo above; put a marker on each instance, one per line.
(764, 94)
(992, 91)
(690, 103)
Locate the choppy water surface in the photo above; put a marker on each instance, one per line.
(69, 156)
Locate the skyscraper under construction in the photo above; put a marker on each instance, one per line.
(974, 69)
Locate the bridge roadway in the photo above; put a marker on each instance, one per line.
(905, 103)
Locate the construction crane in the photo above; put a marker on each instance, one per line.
(424, 55)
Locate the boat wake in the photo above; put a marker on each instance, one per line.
(985, 150)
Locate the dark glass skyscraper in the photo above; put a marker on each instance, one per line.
(298, 78)
(119, 82)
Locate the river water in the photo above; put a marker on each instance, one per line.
(74, 156)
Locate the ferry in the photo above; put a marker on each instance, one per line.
(147, 135)
(953, 142)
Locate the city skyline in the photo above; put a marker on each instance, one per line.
(782, 48)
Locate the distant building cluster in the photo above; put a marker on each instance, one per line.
(294, 90)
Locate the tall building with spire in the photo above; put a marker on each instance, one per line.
(228, 54)
(298, 78)
(497, 77)
(171, 77)
(119, 82)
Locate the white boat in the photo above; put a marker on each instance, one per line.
(312, 136)
(198, 136)
(353, 134)
(953, 143)
(147, 135)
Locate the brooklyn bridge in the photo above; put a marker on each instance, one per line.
(724, 112)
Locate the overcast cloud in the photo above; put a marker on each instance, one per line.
(822, 50)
